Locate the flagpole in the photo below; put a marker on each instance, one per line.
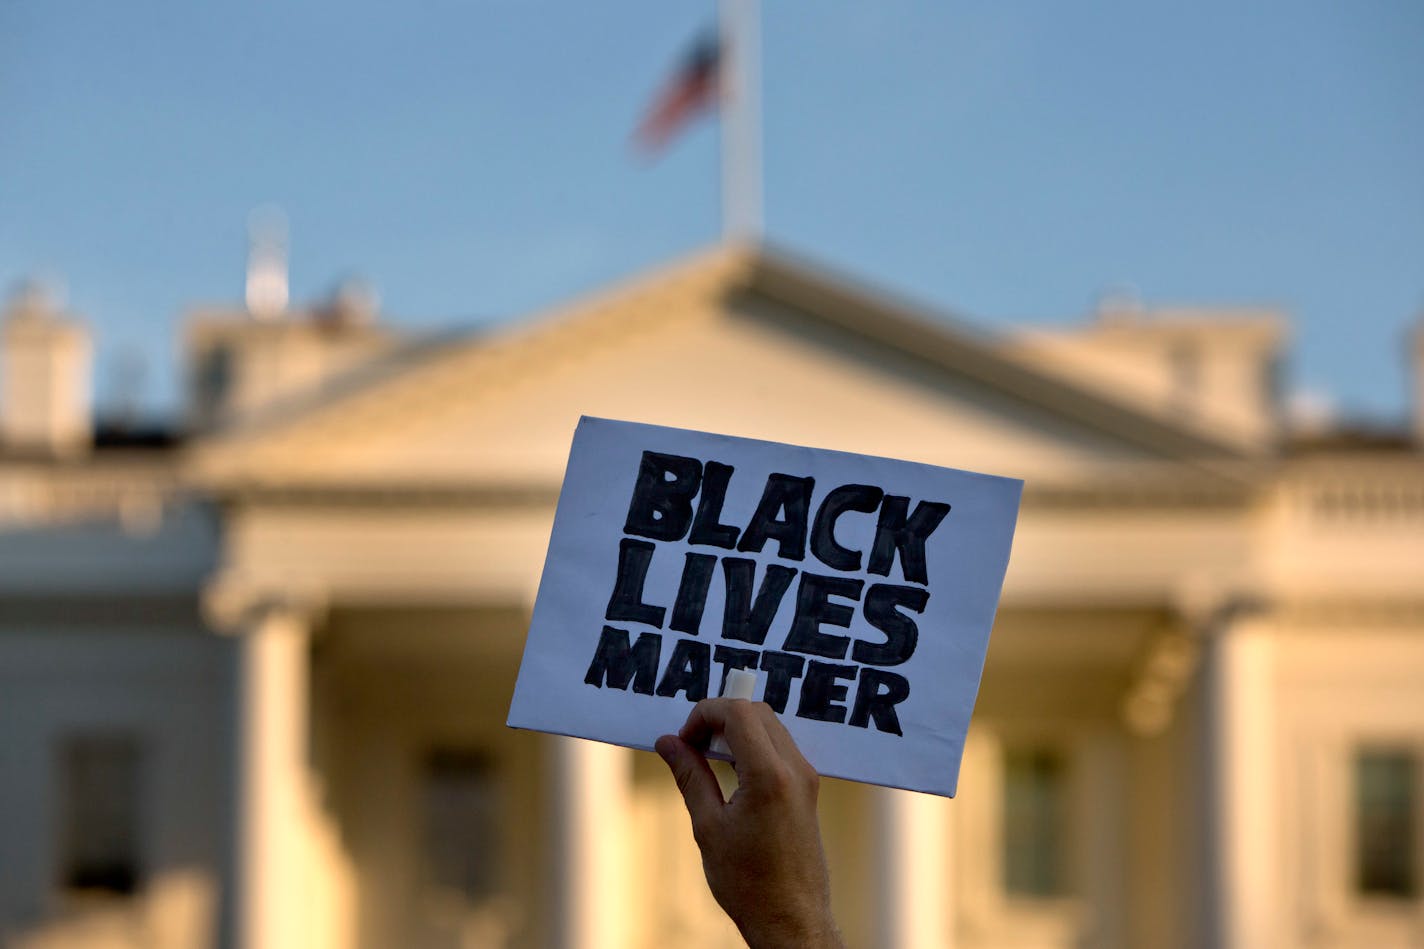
(741, 121)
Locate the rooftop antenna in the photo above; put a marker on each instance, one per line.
(267, 293)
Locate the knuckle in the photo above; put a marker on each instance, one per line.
(779, 782)
(685, 777)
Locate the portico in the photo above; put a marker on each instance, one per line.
(383, 564)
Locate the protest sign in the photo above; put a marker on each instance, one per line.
(861, 590)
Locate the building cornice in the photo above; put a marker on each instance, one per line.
(479, 371)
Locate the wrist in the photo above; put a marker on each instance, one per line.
(811, 930)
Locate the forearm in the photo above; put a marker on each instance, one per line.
(811, 932)
(761, 850)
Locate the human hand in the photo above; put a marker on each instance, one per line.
(761, 850)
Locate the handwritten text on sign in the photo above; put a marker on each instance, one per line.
(662, 509)
(841, 579)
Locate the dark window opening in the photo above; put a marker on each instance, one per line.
(462, 817)
(100, 800)
(1034, 832)
(1386, 809)
(213, 378)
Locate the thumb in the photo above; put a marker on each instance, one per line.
(700, 790)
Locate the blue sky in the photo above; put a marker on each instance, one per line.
(1003, 161)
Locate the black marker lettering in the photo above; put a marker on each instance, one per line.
(705, 528)
(742, 619)
(788, 495)
(626, 604)
(688, 669)
(895, 533)
(692, 593)
(875, 700)
(780, 669)
(822, 690)
(615, 664)
(661, 508)
(848, 497)
(733, 657)
(882, 603)
(814, 609)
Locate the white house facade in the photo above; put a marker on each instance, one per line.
(253, 680)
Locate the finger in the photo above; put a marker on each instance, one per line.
(738, 722)
(781, 738)
(700, 790)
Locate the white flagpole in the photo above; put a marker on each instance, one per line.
(741, 121)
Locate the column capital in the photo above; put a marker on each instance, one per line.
(233, 604)
(1202, 613)
(1208, 609)
(1158, 680)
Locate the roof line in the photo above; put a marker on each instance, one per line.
(955, 344)
(945, 340)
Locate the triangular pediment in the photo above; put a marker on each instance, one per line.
(744, 341)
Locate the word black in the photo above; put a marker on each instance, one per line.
(662, 510)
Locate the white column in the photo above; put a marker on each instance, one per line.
(914, 898)
(1240, 772)
(270, 774)
(1099, 833)
(592, 797)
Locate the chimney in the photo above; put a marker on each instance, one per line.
(45, 360)
(353, 303)
(240, 365)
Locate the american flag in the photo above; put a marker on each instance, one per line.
(691, 90)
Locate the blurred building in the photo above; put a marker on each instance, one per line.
(253, 680)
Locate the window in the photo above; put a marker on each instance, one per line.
(1035, 788)
(213, 378)
(1386, 841)
(99, 795)
(461, 826)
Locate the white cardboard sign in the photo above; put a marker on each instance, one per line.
(860, 589)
